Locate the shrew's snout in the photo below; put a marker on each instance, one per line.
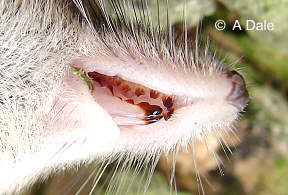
(238, 95)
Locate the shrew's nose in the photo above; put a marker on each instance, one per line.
(238, 95)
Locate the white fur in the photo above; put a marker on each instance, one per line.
(48, 119)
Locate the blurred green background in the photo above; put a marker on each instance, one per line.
(259, 164)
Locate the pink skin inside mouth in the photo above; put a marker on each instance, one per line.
(129, 103)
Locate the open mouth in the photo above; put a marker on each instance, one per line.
(130, 103)
(146, 115)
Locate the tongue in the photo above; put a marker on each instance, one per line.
(122, 113)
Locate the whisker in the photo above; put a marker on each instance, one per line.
(68, 187)
(198, 177)
(58, 151)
